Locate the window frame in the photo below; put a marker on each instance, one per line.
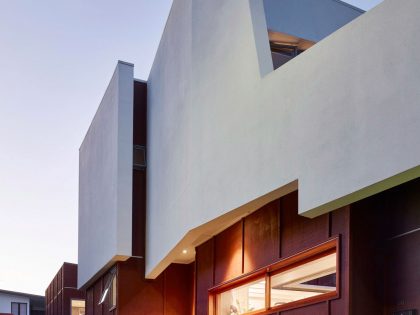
(19, 304)
(113, 293)
(106, 291)
(313, 253)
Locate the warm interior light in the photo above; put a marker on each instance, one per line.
(289, 40)
(184, 251)
(78, 307)
(77, 303)
(307, 280)
(242, 300)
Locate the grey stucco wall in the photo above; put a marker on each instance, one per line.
(105, 179)
(341, 118)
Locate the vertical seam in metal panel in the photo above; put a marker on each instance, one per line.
(195, 282)
(349, 259)
(62, 290)
(279, 211)
(117, 295)
(194, 289)
(329, 224)
(102, 290)
(213, 251)
(243, 244)
(164, 292)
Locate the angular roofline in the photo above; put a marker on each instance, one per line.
(21, 294)
(103, 96)
(172, 6)
(349, 6)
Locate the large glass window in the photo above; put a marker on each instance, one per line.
(306, 278)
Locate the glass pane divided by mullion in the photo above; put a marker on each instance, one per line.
(15, 308)
(22, 309)
(311, 279)
(244, 299)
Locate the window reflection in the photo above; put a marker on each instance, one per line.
(307, 280)
(242, 300)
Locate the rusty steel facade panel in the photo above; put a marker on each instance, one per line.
(273, 232)
(228, 253)
(261, 235)
(385, 232)
(170, 294)
(61, 290)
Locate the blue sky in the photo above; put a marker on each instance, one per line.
(364, 4)
(56, 58)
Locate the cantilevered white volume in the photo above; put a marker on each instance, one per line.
(105, 180)
(340, 121)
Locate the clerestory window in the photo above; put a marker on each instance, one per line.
(306, 278)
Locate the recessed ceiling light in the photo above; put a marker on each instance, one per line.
(184, 251)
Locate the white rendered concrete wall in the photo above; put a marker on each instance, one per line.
(7, 299)
(341, 118)
(105, 179)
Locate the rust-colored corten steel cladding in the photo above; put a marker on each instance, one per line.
(93, 296)
(385, 255)
(63, 289)
(139, 176)
(170, 294)
(140, 113)
(272, 233)
(379, 264)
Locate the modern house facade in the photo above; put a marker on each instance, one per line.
(62, 296)
(269, 165)
(18, 303)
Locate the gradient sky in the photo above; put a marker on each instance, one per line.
(56, 58)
